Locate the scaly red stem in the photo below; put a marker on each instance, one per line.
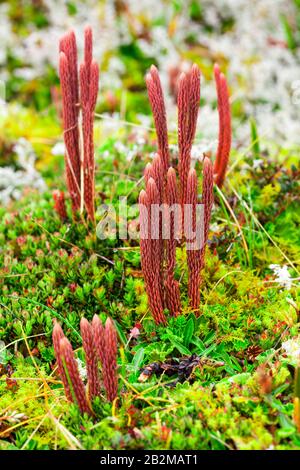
(224, 144)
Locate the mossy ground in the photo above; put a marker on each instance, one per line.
(51, 269)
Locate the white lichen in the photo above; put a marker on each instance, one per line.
(13, 181)
(282, 274)
(291, 349)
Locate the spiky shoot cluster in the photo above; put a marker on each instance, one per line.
(100, 346)
(158, 252)
(79, 95)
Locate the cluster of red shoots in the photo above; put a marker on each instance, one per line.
(100, 346)
(79, 90)
(158, 256)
